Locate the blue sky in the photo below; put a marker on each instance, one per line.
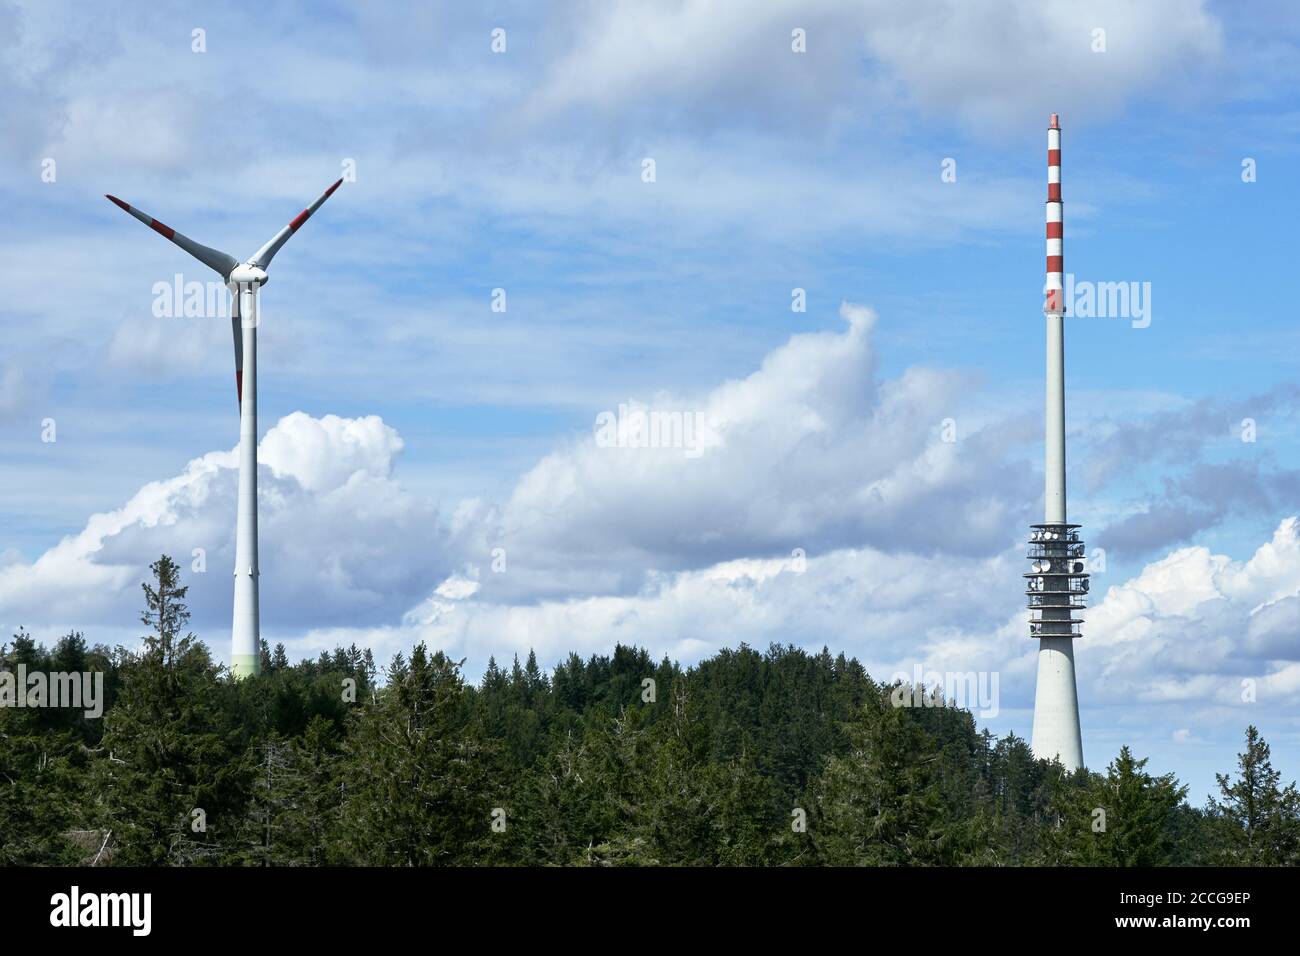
(409, 429)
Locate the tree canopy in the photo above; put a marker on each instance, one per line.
(749, 758)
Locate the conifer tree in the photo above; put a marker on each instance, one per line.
(414, 772)
(1256, 820)
(1126, 818)
(169, 783)
(773, 758)
(882, 802)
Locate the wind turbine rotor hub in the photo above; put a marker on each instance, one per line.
(245, 275)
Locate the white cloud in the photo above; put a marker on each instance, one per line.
(882, 608)
(322, 454)
(993, 64)
(721, 58)
(813, 450)
(910, 544)
(1183, 633)
(162, 123)
(340, 540)
(1191, 626)
(984, 65)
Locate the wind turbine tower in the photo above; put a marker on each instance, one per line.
(1057, 585)
(244, 279)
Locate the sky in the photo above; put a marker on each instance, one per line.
(612, 209)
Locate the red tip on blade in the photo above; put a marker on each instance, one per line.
(117, 202)
(306, 213)
(1056, 122)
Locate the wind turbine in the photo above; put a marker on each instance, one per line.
(244, 279)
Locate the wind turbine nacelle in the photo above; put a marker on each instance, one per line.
(245, 275)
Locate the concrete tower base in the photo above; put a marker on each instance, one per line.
(1056, 705)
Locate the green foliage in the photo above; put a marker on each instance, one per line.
(1256, 820)
(884, 802)
(170, 779)
(414, 772)
(748, 758)
(1126, 818)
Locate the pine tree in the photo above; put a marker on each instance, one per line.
(1257, 820)
(1138, 827)
(620, 748)
(1017, 797)
(169, 783)
(674, 801)
(263, 840)
(883, 803)
(316, 823)
(415, 770)
(293, 811)
(40, 776)
(283, 770)
(1126, 818)
(559, 806)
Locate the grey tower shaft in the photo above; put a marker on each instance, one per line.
(245, 638)
(1057, 583)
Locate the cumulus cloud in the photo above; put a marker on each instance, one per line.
(812, 453)
(1194, 624)
(325, 453)
(882, 607)
(1184, 632)
(817, 503)
(340, 539)
(814, 450)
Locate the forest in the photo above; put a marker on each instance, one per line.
(748, 758)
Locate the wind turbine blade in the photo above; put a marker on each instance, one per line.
(212, 258)
(262, 257)
(236, 328)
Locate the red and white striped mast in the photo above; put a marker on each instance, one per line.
(1057, 582)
